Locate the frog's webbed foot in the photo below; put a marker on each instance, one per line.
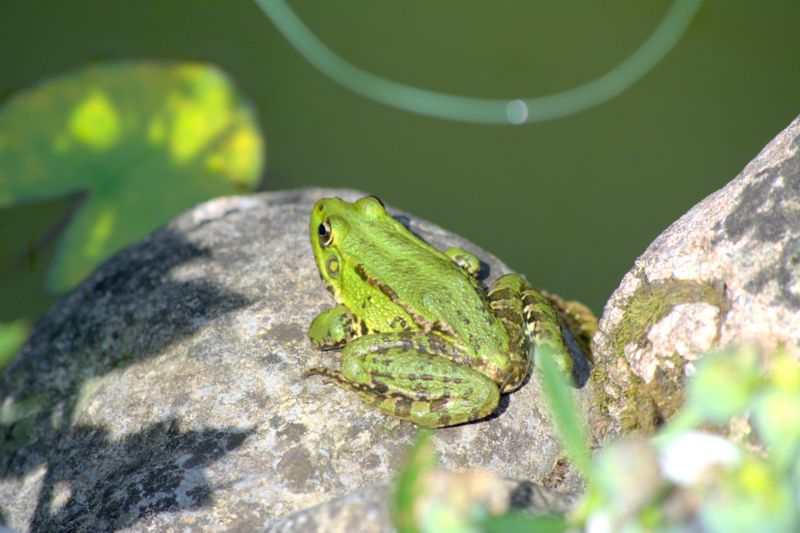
(332, 328)
(465, 260)
(579, 319)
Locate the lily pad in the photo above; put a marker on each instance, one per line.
(141, 140)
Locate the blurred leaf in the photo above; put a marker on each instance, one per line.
(785, 373)
(750, 499)
(569, 425)
(777, 419)
(627, 473)
(12, 336)
(143, 140)
(724, 384)
(14, 411)
(28, 233)
(520, 523)
(421, 459)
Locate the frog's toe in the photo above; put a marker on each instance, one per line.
(325, 372)
(464, 259)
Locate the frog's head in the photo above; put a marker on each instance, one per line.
(337, 229)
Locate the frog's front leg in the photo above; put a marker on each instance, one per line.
(332, 328)
(413, 376)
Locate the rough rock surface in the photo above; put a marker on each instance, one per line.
(727, 272)
(369, 510)
(165, 392)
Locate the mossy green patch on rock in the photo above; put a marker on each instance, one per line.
(645, 405)
(653, 301)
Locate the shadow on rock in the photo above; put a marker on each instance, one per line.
(108, 485)
(131, 309)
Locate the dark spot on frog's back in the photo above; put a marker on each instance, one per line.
(359, 269)
(402, 407)
(379, 386)
(438, 405)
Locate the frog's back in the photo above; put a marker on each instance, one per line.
(442, 294)
(462, 310)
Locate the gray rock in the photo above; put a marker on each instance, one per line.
(165, 392)
(726, 273)
(369, 509)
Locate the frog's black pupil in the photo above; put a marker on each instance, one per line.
(322, 230)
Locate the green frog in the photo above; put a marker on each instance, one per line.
(422, 339)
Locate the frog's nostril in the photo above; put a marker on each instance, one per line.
(333, 266)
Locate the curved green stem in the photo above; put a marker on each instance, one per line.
(485, 110)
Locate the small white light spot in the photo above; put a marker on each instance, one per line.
(685, 459)
(517, 112)
(62, 493)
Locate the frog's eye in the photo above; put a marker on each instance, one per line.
(377, 200)
(325, 234)
(371, 206)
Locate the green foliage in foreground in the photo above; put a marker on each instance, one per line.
(12, 336)
(139, 141)
(684, 478)
(420, 506)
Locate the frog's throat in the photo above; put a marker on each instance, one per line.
(420, 321)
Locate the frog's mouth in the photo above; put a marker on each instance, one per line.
(328, 285)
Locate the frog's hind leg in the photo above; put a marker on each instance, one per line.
(523, 309)
(427, 389)
(580, 320)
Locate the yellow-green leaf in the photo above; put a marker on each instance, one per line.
(143, 140)
(12, 337)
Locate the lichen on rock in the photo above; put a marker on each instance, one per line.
(724, 273)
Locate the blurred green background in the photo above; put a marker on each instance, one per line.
(570, 203)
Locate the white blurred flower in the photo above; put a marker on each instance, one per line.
(685, 458)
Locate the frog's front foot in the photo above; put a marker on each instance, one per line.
(580, 321)
(332, 328)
